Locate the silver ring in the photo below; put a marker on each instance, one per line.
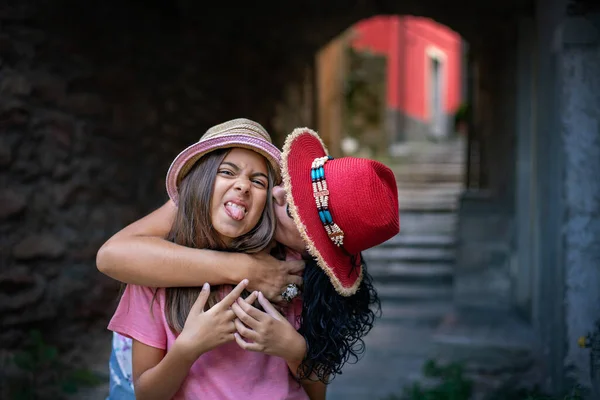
(291, 291)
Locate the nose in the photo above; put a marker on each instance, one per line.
(279, 195)
(242, 185)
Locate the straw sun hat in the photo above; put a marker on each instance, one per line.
(239, 132)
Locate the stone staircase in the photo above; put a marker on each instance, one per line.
(413, 274)
(413, 271)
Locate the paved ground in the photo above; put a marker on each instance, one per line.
(394, 357)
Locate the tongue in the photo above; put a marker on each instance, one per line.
(235, 212)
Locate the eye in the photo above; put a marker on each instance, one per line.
(260, 183)
(225, 172)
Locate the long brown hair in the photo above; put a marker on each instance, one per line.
(193, 228)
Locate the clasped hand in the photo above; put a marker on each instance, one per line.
(269, 331)
(234, 318)
(205, 330)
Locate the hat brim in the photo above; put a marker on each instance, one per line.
(184, 161)
(301, 147)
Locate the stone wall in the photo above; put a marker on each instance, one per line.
(579, 93)
(481, 274)
(485, 231)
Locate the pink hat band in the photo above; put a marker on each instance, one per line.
(237, 133)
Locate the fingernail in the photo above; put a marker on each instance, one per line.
(245, 281)
(205, 286)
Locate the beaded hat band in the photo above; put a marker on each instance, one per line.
(321, 194)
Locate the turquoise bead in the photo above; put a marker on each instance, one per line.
(328, 217)
(322, 216)
(321, 173)
(312, 174)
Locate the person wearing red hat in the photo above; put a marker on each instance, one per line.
(329, 210)
(333, 209)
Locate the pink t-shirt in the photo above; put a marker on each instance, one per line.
(226, 372)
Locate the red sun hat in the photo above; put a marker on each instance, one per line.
(341, 206)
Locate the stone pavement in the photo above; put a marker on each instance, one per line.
(393, 359)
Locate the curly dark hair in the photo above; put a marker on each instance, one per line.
(333, 325)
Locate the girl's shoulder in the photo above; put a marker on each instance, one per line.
(144, 294)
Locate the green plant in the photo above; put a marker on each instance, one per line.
(462, 115)
(37, 372)
(452, 384)
(364, 98)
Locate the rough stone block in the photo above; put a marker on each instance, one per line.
(495, 345)
(86, 104)
(5, 154)
(48, 88)
(14, 116)
(20, 288)
(39, 245)
(11, 203)
(14, 84)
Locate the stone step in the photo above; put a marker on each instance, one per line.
(384, 335)
(428, 206)
(448, 173)
(488, 340)
(427, 193)
(430, 152)
(413, 293)
(418, 223)
(432, 240)
(415, 314)
(387, 255)
(418, 273)
(410, 185)
(428, 173)
(456, 158)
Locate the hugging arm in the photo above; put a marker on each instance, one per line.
(139, 254)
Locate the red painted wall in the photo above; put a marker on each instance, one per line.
(406, 41)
